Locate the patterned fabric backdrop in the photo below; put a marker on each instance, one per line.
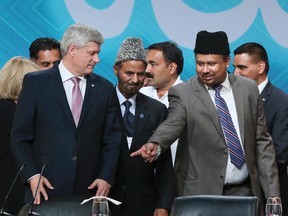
(265, 22)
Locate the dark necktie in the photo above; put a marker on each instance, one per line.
(128, 119)
(77, 100)
(232, 139)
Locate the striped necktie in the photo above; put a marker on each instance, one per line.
(232, 139)
(128, 119)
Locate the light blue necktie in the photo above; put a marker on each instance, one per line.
(232, 139)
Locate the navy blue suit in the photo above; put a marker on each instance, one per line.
(276, 112)
(143, 187)
(44, 133)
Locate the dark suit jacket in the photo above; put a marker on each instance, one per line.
(8, 169)
(141, 186)
(276, 112)
(202, 154)
(44, 133)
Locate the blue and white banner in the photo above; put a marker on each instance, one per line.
(262, 21)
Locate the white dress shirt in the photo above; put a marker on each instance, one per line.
(233, 174)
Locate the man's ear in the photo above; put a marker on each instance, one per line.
(173, 68)
(261, 67)
(115, 68)
(72, 50)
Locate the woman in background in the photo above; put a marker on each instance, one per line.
(11, 77)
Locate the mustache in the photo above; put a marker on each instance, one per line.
(149, 75)
(134, 84)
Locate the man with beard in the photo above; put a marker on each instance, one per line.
(144, 189)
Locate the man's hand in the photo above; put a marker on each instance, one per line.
(103, 187)
(148, 151)
(41, 190)
(160, 212)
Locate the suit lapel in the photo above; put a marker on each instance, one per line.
(239, 104)
(124, 142)
(265, 94)
(141, 118)
(58, 90)
(208, 104)
(90, 95)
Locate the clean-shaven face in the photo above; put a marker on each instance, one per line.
(85, 58)
(245, 66)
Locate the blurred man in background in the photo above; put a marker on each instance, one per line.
(45, 52)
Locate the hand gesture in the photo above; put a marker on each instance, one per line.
(148, 151)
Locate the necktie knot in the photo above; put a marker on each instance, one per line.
(217, 88)
(75, 80)
(127, 104)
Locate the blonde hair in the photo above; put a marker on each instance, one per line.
(12, 74)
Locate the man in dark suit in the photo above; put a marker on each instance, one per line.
(222, 150)
(79, 144)
(251, 60)
(144, 189)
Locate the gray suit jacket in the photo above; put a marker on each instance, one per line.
(202, 154)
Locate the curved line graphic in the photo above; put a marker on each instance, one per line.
(181, 23)
(275, 19)
(110, 22)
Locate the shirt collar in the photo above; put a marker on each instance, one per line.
(122, 98)
(178, 80)
(66, 74)
(262, 85)
(225, 84)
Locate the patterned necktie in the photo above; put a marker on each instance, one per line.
(77, 100)
(128, 119)
(232, 140)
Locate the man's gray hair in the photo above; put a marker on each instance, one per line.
(80, 35)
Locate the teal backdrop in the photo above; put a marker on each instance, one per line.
(262, 21)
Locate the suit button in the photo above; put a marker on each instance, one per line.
(74, 158)
(123, 187)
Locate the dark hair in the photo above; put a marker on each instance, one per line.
(256, 51)
(171, 53)
(45, 43)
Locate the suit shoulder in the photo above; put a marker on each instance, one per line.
(279, 92)
(244, 82)
(185, 84)
(150, 101)
(101, 79)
